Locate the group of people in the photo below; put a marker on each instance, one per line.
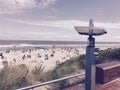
(44, 56)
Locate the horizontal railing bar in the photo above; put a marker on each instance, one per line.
(52, 81)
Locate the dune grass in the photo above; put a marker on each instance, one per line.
(73, 66)
(20, 76)
(12, 77)
(109, 55)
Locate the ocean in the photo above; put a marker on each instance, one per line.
(32, 44)
(37, 42)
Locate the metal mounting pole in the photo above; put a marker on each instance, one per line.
(90, 65)
(90, 57)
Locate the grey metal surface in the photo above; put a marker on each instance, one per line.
(85, 30)
(90, 69)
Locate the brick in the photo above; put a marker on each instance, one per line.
(107, 72)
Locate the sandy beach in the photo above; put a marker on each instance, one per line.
(47, 57)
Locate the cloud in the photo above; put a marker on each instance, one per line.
(46, 3)
(15, 6)
(68, 24)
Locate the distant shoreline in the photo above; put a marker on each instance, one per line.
(32, 44)
(45, 42)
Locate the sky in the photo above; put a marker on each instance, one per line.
(55, 19)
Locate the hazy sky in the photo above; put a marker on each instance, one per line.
(55, 19)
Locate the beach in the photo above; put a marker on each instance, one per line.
(47, 56)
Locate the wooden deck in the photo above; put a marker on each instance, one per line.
(113, 85)
(76, 87)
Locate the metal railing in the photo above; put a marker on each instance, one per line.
(52, 81)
